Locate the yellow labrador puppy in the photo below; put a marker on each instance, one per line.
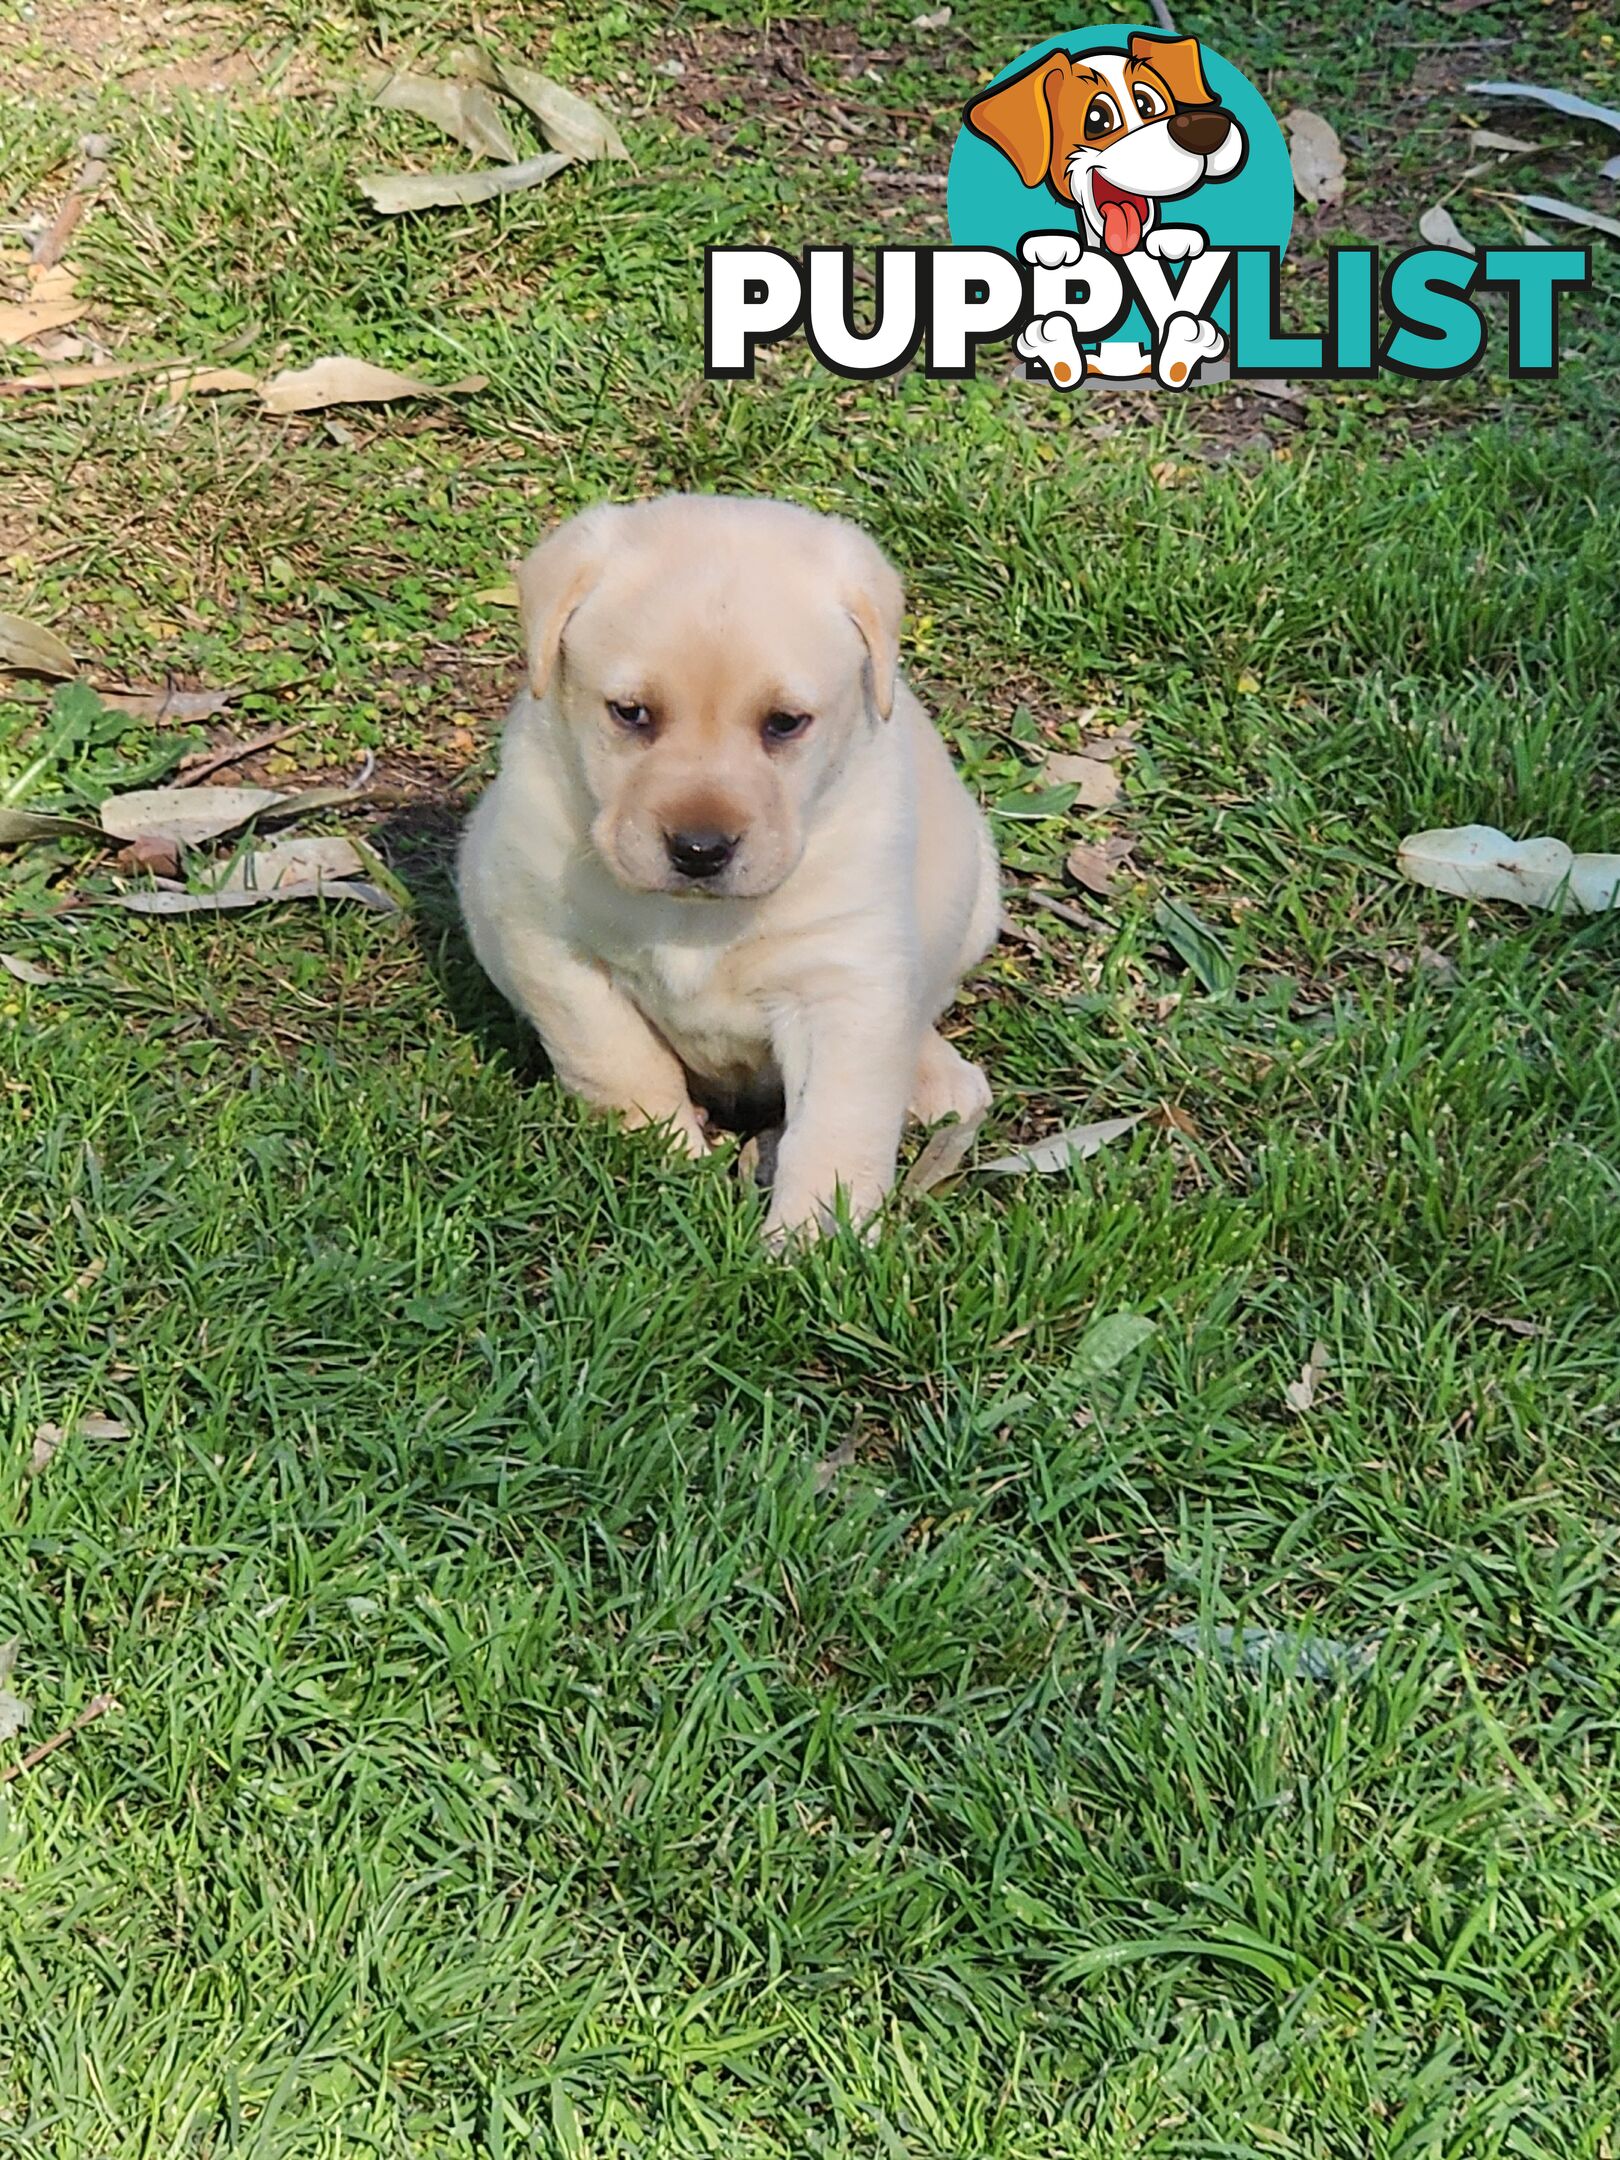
(727, 856)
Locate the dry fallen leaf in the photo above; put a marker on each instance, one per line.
(24, 319)
(1094, 779)
(358, 890)
(293, 862)
(463, 110)
(184, 382)
(1487, 139)
(187, 815)
(159, 857)
(1441, 229)
(1314, 154)
(943, 1154)
(567, 121)
(48, 1438)
(18, 827)
(1578, 108)
(14, 1712)
(1301, 1393)
(33, 650)
(181, 707)
(338, 380)
(1571, 213)
(1476, 862)
(1062, 1149)
(1094, 867)
(26, 971)
(1108, 1342)
(394, 193)
(104, 371)
(843, 1456)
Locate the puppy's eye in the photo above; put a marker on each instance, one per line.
(634, 717)
(1102, 117)
(784, 726)
(1149, 103)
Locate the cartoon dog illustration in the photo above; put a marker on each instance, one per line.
(1113, 135)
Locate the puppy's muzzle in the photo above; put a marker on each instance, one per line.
(1200, 132)
(700, 853)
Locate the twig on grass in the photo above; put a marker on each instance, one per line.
(190, 773)
(96, 1707)
(1162, 16)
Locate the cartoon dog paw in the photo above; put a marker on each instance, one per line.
(1051, 250)
(1187, 343)
(1050, 338)
(1176, 243)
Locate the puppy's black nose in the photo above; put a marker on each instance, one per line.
(1201, 132)
(702, 853)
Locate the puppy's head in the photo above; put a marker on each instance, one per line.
(1114, 133)
(711, 664)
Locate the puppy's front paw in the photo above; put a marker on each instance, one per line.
(800, 1214)
(683, 1126)
(1051, 250)
(1188, 342)
(1051, 339)
(1176, 243)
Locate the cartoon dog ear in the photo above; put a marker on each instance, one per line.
(552, 580)
(1016, 116)
(1178, 62)
(874, 600)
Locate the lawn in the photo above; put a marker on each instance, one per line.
(583, 1687)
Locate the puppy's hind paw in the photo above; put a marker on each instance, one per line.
(946, 1085)
(1051, 340)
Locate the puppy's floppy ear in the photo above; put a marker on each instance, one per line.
(1017, 116)
(874, 600)
(552, 580)
(1178, 63)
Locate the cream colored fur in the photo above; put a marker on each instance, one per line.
(863, 883)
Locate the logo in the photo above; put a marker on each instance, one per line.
(1120, 201)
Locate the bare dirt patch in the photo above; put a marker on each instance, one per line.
(70, 49)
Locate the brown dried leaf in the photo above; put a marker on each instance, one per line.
(359, 890)
(186, 815)
(291, 863)
(178, 707)
(944, 1152)
(21, 320)
(1094, 778)
(394, 193)
(338, 380)
(1060, 1150)
(1300, 1394)
(843, 1457)
(569, 122)
(33, 650)
(26, 971)
(463, 110)
(1095, 867)
(160, 857)
(1314, 154)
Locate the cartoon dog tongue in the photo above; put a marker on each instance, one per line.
(1122, 225)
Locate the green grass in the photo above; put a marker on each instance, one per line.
(534, 1735)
